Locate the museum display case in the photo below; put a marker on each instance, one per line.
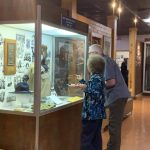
(63, 55)
(146, 68)
(62, 64)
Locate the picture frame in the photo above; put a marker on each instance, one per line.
(107, 45)
(9, 56)
(96, 40)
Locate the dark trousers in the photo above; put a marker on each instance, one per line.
(91, 138)
(115, 122)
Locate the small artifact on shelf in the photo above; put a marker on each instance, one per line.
(19, 109)
(74, 99)
(45, 106)
(22, 87)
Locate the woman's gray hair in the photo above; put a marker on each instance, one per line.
(96, 64)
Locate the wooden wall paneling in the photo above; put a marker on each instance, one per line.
(50, 11)
(12, 10)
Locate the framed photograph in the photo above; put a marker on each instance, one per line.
(96, 40)
(9, 57)
(107, 46)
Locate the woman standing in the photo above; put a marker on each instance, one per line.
(93, 111)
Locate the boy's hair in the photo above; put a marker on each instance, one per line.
(96, 64)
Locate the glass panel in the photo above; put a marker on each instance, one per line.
(147, 68)
(16, 61)
(62, 64)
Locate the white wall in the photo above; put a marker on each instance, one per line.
(123, 41)
(142, 37)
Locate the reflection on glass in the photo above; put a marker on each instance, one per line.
(64, 60)
(16, 92)
(69, 65)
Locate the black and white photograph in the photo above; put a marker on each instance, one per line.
(28, 43)
(20, 66)
(1, 57)
(2, 83)
(33, 41)
(11, 97)
(27, 56)
(27, 65)
(1, 39)
(2, 96)
(9, 84)
(9, 81)
(20, 38)
(1, 65)
(20, 45)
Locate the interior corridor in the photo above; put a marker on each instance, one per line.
(136, 128)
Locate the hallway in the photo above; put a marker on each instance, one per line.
(136, 128)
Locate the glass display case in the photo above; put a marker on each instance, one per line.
(62, 59)
(146, 68)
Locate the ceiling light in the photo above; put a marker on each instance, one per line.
(119, 9)
(135, 20)
(113, 4)
(147, 20)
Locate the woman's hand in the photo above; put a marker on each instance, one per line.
(78, 85)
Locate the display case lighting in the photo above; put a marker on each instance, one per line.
(23, 26)
(55, 31)
(48, 28)
(64, 32)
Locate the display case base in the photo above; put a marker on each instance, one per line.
(58, 130)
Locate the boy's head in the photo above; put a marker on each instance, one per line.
(96, 64)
